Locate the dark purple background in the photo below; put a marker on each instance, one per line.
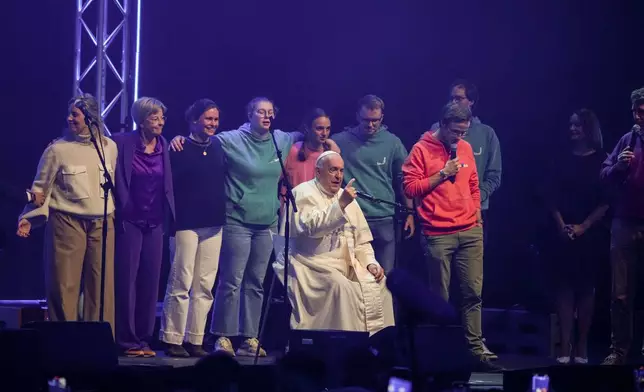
(534, 62)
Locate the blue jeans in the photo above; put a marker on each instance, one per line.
(384, 241)
(245, 253)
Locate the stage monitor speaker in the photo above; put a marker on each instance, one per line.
(441, 349)
(334, 348)
(75, 347)
(574, 378)
(442, 356)
(20, 359)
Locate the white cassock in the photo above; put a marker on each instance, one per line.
(330, 287)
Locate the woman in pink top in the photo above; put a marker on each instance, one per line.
(300, 162)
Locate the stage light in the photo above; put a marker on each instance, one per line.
(137, 53)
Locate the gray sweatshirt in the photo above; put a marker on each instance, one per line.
(70, 176)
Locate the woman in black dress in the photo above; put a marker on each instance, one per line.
(578, 206)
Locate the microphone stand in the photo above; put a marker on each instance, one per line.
(290, 199)
(107, 186)
(399, 207)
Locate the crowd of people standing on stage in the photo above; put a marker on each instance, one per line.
(218, 196)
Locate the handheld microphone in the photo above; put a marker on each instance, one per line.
(635, 132)
(452, 155)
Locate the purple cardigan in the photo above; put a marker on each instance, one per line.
(126, 143)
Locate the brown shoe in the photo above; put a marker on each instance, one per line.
(133, 352)
(148, 352)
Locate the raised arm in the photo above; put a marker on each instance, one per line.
(314, 220)
(615, 167)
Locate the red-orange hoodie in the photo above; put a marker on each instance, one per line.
(449, 208)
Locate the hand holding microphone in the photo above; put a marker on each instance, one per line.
(626, 156)
(452, 167)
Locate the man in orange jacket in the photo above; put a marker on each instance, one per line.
(440, 174)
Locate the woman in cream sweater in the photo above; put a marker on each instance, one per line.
(70, 175)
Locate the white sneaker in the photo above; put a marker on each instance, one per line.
(580, 360)
(249, 348)
(563, 360)
(224, 345)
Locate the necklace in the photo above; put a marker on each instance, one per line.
(200, 144)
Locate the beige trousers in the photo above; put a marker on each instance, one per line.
(72, 253)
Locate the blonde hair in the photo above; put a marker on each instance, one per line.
(145, 106)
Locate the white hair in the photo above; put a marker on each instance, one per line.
(145, 106)
(320, 161)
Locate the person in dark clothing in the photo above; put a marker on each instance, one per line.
(623, 172)
(198, 177)
(217, 372)
(301, 372)
(578, 205)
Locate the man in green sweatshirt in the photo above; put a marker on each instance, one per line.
(482, 138)
(374, 157)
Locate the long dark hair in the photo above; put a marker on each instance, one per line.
(306, 128)
(591, 128)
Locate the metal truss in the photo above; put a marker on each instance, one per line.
(112, 85)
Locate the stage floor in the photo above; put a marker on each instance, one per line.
(477, 380)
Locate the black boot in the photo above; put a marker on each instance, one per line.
(176, 350)
(196, 351)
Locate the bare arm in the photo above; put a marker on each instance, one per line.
(558, 218)
(595, 216)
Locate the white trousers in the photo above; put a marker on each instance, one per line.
(188, 296)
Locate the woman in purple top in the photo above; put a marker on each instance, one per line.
(144, 211)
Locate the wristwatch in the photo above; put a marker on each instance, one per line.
(442, 174)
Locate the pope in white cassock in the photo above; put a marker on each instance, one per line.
(335, 282)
